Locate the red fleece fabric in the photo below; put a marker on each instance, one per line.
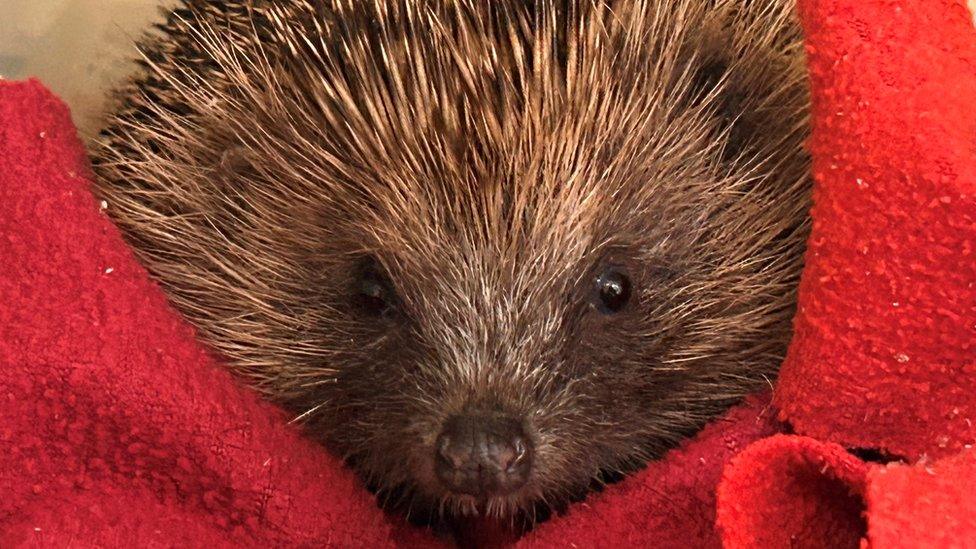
(118, 429)
(884, 351)
(793, 491)
(816, 489)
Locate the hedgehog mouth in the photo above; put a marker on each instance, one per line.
(485, 504)
(522, 509)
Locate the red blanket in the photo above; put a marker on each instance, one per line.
(117, 428)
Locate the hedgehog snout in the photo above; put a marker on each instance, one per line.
(483, 455)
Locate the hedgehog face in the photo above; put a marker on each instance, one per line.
(488, 375)
(487, 381)
(488, 252)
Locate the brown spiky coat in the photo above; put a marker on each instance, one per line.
(490, 159)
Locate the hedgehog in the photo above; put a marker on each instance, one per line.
(491, 254)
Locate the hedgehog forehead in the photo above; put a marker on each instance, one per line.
(489, 237)
(525, 226)
(465, 293)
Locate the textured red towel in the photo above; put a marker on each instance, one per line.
(792, 491)
(884, 354)
(117, 429)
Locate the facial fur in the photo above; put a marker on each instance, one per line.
(478, 165)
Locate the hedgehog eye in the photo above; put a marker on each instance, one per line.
(612, 291)
(373, 293)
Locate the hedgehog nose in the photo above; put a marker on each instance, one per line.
(482, 455)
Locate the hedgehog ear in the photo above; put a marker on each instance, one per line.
(719, 75)
(744, 82)
(713, 79)
(708, 74)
